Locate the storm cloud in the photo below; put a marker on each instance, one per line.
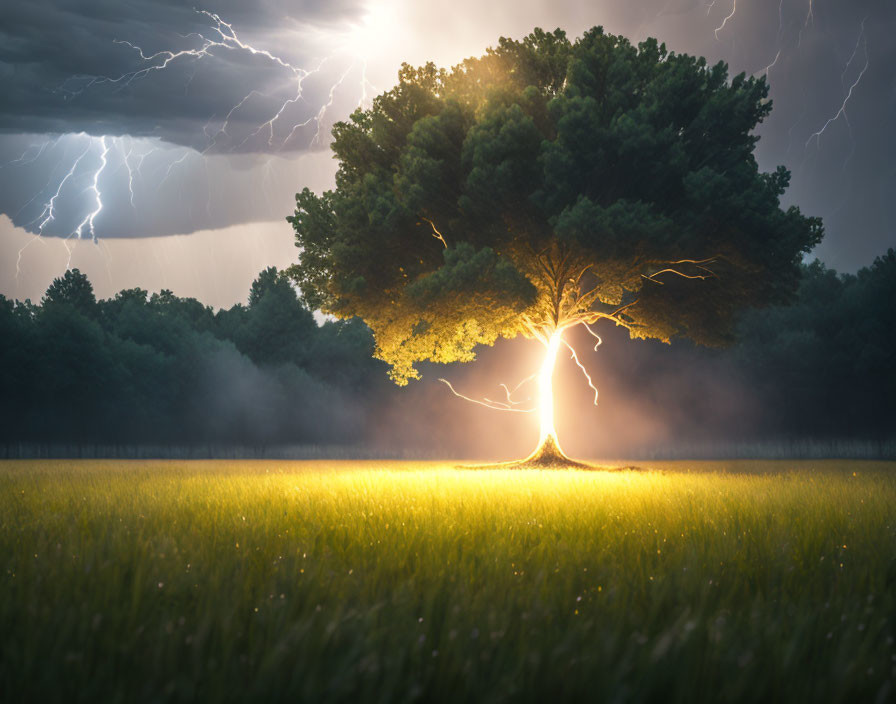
(160, 68)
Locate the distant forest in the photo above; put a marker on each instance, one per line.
(140, 368)
(158, 369)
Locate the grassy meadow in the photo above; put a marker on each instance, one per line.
(395, 581)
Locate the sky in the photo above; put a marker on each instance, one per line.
(158, 144)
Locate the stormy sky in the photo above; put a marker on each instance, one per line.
(127, 122)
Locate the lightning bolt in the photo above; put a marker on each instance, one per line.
(171, 166)
(772, 64)
(126, 160)
(213, 142)
(510, 404)
(328, 104)
(34, 197)
(842, 111)
(142, 157)
(69, 249)
(365, 84)
(725, 21)
(107, 260)
(780, 36)
(855, 51)
(126, 79)
(810, 19)
(494, 405)
(594, 335)
(49, 211)
(91, 216)
(292, 101)
(575, 358)
(510, 392)
(34, 238)
(230, 36)
(22, 161)
(228, 40)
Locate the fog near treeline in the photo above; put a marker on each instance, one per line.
(157, 375)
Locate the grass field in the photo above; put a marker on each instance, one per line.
(389, 582)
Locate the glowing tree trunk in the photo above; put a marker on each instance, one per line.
(548, 452)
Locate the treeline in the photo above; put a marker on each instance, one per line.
(156, 370)
(161, 369)
(825, 366)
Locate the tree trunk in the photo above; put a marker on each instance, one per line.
(548, 453)
(546, 391)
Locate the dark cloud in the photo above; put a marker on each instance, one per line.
(65, 67)
(147, 187)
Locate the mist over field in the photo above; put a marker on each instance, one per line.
(163, 376)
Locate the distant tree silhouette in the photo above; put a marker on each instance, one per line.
(72, 289)
(826, 365)
(160, 368)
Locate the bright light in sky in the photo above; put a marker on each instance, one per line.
(376, 30)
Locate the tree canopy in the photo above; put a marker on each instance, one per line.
(545, 184)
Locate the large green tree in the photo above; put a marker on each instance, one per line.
(549, 184)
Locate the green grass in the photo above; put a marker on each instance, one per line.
(386, 582)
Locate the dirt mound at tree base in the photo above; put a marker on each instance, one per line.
(550, 456)
(564, 464)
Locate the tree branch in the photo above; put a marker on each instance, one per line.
(708, 260)
(435, 232)
(651, 277)
(698, 263)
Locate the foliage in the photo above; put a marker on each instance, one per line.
(827, 363)
(545, 184)
(162, 369)
(71, 290)
(378, 582)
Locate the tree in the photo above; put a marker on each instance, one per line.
(824, 364)
(549, 184)
(72, 289)
(279, 327)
